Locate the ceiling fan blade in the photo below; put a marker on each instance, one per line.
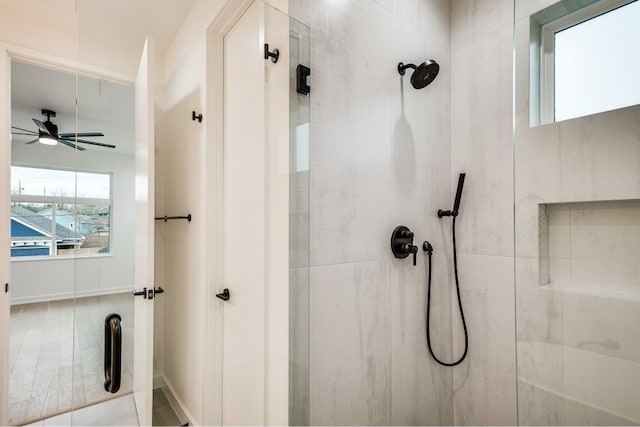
(84, 141)
(22, 133)
(71, 144)
(24, 130)
(41, 126)
(81, 134)
(33, 141)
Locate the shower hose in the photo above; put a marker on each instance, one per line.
(464, 323)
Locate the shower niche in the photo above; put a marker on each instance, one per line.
(591, 247)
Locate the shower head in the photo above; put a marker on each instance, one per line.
(423, 74)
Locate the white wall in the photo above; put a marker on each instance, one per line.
(188, 274)
(379, 158)
(181, 143)
(481, 146)
(60, 278)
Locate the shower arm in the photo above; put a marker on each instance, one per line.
(403, 67)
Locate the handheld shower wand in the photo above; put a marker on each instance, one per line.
(456, 203)
(429, 250)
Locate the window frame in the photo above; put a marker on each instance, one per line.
(68, 200)
(546, 52)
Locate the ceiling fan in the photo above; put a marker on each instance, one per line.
(48, 134)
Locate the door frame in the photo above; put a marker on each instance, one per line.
(10, 52)
(276, 294)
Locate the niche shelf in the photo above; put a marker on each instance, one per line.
(591, 248)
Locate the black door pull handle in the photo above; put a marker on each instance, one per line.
(112, 352)
(225, 295)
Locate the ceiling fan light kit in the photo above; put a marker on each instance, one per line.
(47, 139)
(48, 134)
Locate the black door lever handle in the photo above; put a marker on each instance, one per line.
(143, 292)
(225, 295)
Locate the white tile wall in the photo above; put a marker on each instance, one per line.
(484, 384)
(350, 344)
(481, 146)
(380, 157)
(481, 142)
(415, 401)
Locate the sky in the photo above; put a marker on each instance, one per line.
(52, 182)
(597, 64)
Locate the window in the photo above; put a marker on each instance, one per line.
(589, 59)
(59, 212)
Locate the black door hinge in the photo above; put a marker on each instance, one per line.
(6, 288)
(302, 73)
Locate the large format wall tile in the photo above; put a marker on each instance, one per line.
(476, 19)
(379, 148)
(421, 389)
(484, 384)
(481, 143)
(482, 146)
(380, 157)
(350, 346)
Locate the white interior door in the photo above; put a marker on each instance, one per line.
(144, 237)
(255, 248)
(244, 217)
(244, 221)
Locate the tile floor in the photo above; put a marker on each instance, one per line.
(57, 355)
(163, 413)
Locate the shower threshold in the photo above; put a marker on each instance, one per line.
(115, 412)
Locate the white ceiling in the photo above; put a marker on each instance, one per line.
(103, 106)
(106, 29)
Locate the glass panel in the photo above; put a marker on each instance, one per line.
(42, 290)
(577, 250)
(299, 121)
(104, 213)
(45, 206)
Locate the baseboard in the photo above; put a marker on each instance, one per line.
(68, 295)
(178, 407)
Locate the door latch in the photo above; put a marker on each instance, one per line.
(153, 292)
(225, 295)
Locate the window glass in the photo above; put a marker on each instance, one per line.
(597, 64)
(48, 219)
(62, 183)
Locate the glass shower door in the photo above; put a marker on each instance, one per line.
(299, 122)
(577, 233)
(42, 269)
(103, 215)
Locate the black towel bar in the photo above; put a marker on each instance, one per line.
(167, 218)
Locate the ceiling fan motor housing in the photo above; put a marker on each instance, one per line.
(52, 128)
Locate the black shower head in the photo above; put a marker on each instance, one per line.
(423, 74)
